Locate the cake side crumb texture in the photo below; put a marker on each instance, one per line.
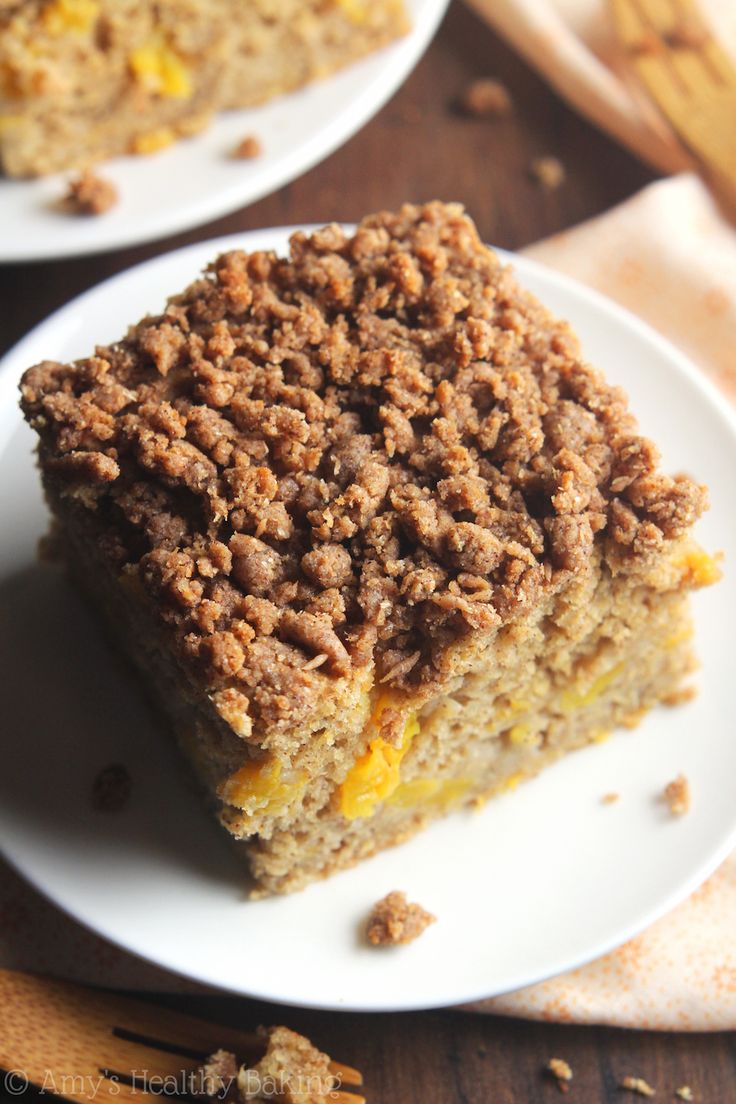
(360, 454)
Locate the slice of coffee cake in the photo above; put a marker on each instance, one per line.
(379, 541)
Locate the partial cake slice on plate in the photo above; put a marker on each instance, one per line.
(378, 539)
(86, 79)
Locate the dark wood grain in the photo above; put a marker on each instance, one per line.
(419, 148)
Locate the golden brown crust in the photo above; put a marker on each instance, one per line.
(363, 452)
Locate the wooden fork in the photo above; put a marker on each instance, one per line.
(689, 76)
(84, 1044)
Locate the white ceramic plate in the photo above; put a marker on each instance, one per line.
(196, 180)
(540, 881)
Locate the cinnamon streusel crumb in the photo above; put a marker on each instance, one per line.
(89, 194)
(248, 148)
(393, 920)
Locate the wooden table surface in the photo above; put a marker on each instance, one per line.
(419, 148)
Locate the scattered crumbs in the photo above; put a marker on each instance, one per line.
(688, 33)
(610, 798)
(561, 1071)
(486, 99)
(393, 920)
(111, 789)
(637, 1085)
(89, 194)
(548, 171)
(248, 148)
(677, 795)
(681, 696)
(684, 1093)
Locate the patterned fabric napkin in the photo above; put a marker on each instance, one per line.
(668, 255)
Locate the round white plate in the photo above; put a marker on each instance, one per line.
(538, 882)
(196, 180)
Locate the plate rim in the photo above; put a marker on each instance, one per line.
(621, 316)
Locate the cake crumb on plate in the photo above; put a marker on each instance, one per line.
(394, 920)
(248, 148)
(677, 795)
(610, 798)
(89, 194)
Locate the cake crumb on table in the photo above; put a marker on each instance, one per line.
(111, 789)
(610, 798)
(89, 194)
(248, 148)
(637, 1085)
(393, 920)
(677, 795)
(486, 98)
(561, 1071)
(549, 172)
(684, 1093)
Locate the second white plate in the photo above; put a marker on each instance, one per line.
(540, 881)
(196, 180)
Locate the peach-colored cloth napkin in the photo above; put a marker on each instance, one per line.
(572, 44)
(667, 254)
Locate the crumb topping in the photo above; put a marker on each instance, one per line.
(360, 453)
(394, 920)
